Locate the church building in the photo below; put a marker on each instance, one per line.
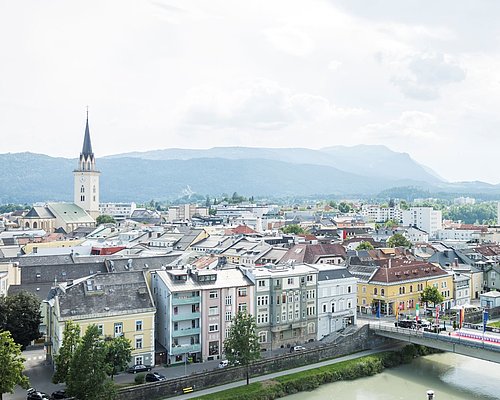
(86, 178)
(66, 217)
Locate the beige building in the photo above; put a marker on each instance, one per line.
(10, 274)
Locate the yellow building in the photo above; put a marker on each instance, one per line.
(397, 288)
(30, 248)
(117, 303)
(10, 274)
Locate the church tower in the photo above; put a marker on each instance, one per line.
(86, 178)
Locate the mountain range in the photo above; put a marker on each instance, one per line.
(361, 171)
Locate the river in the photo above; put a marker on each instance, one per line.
(450, 376)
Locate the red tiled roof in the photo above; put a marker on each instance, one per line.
(240, 230)
(412, 270)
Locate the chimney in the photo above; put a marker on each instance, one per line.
(390, 263)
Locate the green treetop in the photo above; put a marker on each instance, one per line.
(398, 240)
(11, 365)
(431, 294)
(365, 246)
(293, 228)
(242, 344)
(62, 360)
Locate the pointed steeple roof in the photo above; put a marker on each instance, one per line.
(87, 145)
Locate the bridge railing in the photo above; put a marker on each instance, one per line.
(479, 343)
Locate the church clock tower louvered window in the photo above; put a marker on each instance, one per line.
(86, 178)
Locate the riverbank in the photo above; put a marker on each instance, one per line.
(311, 379)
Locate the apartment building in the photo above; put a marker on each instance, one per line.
(119, 211)
(185, 212)
(336, 299)
(119, 304)
(425, 218)
(196, 308)
(285, 304)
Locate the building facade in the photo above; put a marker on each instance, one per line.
(196, 308)
(425, 218)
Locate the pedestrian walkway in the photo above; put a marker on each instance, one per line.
(282, 373)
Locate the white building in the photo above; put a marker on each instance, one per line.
(416, 235)
(465, 235)
(119, 211)
(336, 299)
(185, 212)
(425, 218)
(373, 212)
(464, 200)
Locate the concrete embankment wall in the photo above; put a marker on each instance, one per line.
(358, 341)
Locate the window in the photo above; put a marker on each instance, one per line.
(309, 278)
(229, 300)
(262, 300)
(277, 282)
(118, 329)
(226, 334)
(382, 292)
(213, 348)
(242, 307)
(138, 342)
(213, 310)
(333, 307)
(213, 294)
(324, 307)
(261, 283)
(139, 360)
(100, 329)
(311, 327)
(411, 288)
(229, 317)
(290, 281)
(138, 325)
(363, 289)
(375, 291)
(349, 289)
(242, 292)
(290, 315)
(262, 318)
(213, 328)
(82, 189)
(443, 284)
(262, 337)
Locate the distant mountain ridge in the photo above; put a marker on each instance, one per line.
(28, 177)
(367, 160)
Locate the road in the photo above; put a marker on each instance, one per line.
(40, 372)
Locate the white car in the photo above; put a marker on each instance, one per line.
(223, 364)
(297, 348)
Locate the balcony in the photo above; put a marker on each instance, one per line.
(178, 301)
(185, 316)
(188, 348)
(186, 332)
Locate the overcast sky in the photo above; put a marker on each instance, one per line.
(422, 77)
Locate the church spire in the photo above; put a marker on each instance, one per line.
(87, 145)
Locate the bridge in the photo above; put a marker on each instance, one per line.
(471, 346)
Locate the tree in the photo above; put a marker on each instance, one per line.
(105, 219)
(365, 246)
(20, 315)
(344, 207)
(398, 240)
(242, 344)
(11, 365)
(391, 223)
(431, 294)
(118, 354)
(62, 361)
(293, 228)
(87, 378)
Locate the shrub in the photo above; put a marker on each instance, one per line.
(139, 378)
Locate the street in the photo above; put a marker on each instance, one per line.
(40, 372)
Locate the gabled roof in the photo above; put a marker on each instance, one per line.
(39, 212)
(405, 272)
(240, 230)
(70, 213)
(311, 253)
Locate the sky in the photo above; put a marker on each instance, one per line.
(421, 77)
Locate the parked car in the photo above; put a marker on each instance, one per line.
(155, 377)
(139, 368)
(36, 395)
(224, 364)
(59, 394)
(297, 348)
(412, 323)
